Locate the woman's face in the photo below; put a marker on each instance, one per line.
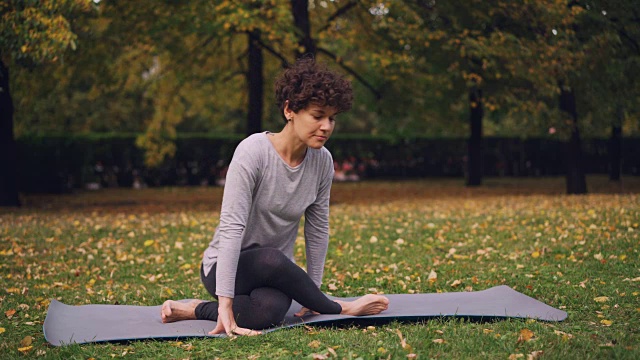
(313, 125)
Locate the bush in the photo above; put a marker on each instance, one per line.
(57, 164)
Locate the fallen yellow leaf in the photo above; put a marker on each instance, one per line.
(601, 299)
(606, 322)
(149, 242)
(26, 341)
(2, 330)
(525, 335)
(535, 254)
(565, 336)
(433, 276)
(439, 341)
(25, 349)
(314, 344)
(403, 342)
(535, 354)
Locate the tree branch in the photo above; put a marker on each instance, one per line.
(341, 11)
(352, 72)
(273, 52)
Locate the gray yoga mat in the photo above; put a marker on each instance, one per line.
(66, 324)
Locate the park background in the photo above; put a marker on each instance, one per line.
(112, 92)
(474, 120)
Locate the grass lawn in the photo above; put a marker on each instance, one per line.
(576, 253)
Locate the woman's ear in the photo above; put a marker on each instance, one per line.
(288, 113)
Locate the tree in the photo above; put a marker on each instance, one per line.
(509, 57)
(31, 33)
(610, 31)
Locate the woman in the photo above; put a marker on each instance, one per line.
(274, 179)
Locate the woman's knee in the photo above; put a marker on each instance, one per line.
(264, 308)
(267, 259)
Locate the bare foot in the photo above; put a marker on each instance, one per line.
(176, 310)
(367, 305)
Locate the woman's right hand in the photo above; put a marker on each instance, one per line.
(227, 323)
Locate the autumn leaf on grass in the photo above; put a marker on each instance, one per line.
(439, 341)
(403, 342)
(601, 299)
(565, 336)
(25, 349)
(314, 344)
(2, 330)
(456, 283)
(25, 344)
(9, 313)
(433, 276)
(525, 335)
(535, 355)
(606, 322)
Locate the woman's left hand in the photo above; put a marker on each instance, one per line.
(304, 311)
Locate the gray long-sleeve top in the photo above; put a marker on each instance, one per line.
(263, 202)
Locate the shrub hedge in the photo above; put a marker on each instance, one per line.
(62, 163)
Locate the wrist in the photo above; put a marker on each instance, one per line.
(225, 302)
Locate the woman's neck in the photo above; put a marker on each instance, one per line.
(288, 146)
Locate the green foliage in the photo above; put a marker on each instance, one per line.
(33, 31)
(159, 68)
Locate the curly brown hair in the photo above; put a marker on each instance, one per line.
(309, 83)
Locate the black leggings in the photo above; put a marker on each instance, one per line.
(266, 281)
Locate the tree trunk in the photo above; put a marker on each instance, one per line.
(8, 149)
(255, 82)
(306, 45)
(576, 180)
(474, 147)
(615, 147)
